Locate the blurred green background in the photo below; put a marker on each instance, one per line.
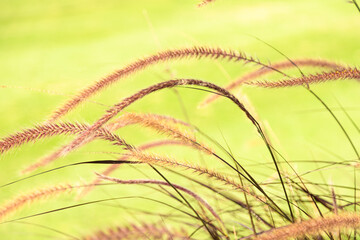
(52, 49)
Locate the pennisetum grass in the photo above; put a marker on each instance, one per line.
(313, 227)
(345, 74)
(20, 201)
(150, 120)
(224, 197)
(315, 63)
(39, 194)
(117, 108)
(195, 52)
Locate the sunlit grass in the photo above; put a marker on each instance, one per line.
(50, 51)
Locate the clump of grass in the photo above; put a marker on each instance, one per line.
(223, 202)
(256, 198)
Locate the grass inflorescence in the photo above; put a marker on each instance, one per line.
(201, 187)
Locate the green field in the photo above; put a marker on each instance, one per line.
(50, 50)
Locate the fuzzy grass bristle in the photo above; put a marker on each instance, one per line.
(315, 63)
(117, 108)
(345, 74)
(312, 227)
(31, 197)
(150, 120)
(193, 52)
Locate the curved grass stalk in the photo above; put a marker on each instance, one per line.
(158, 160)
(345, 74)
(101, 133)
(28, 198)
(39, 132)
(148, 120)
(280, 65)
(117, 108)
(67, 128)
(50, 130)
(193, 52)
(113, 167)
(155, 159)
(163, 183)
(130, 118)
(172, 132)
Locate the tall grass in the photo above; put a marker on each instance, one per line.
(211, 193)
